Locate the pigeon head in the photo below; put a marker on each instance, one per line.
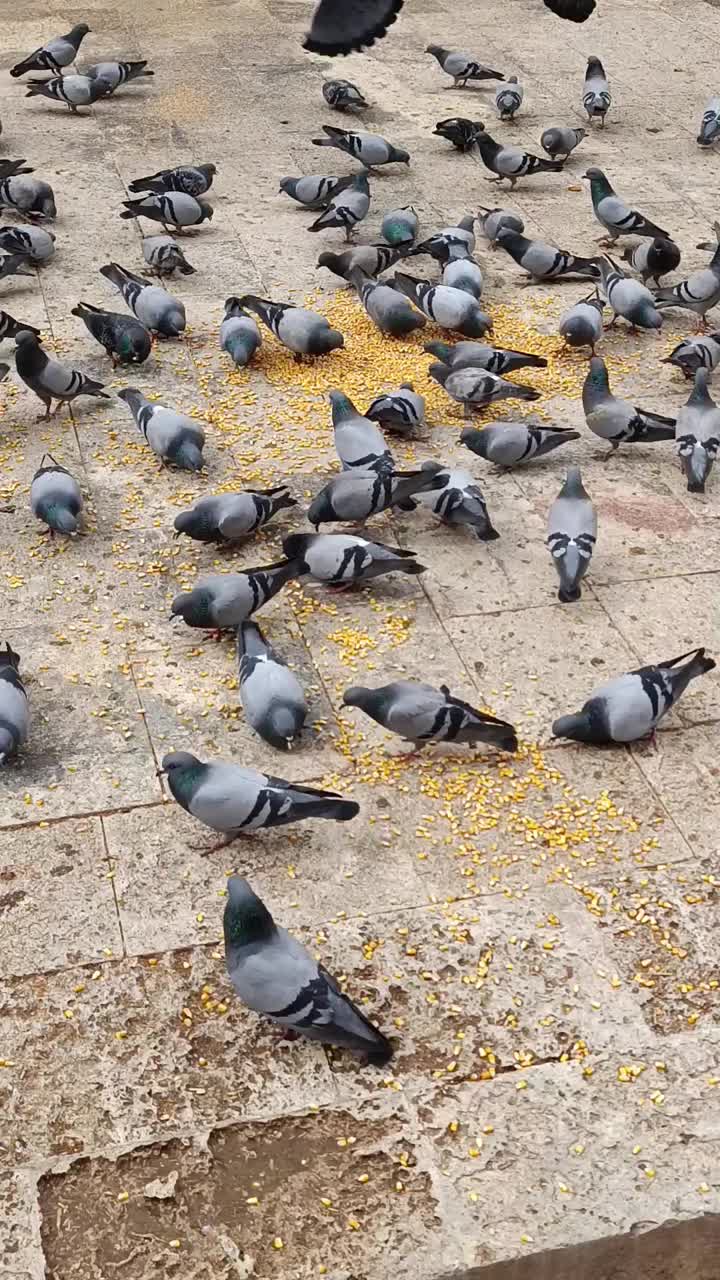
(134, 347)
(198, 523)
(324, 341)
(358, 696)
(207, 211)
(295, 545)
(178, 760)
(398, 156)
(187, 456)
(80, 29)
(440, 349)
(647, 316)
(246, 919)
(439, 372)
(598, 374)
(233, 307)
(578, 727)
(594, 64)
(320, 509)
(436, 50)
(342, 407)
(26, 338)
(696, 460)
(599, 182)
(9, 658)
(282, 726)
(193, 607)
(172, 322)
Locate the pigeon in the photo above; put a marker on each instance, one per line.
(74, 91)
(191, 180)
(355, 495)
(14, 168)
(710, 124)
(230, 799)
(14, 711)
(343, 559)
(571, 10)
(369, 148)
(399, 227)
(631, 706)
(370, 258)
(421, 714)
(458, 130)
(451, 243)
(462, 67)
(543, 261)
(29, 196)
(116, 74)
(476, 388)
(239, 334)
(508, 98)
(694, 353)
(464, 274)
(450, 308)
(154, 307)
(581, 325)
(124, 338)
(492, 221)
(614, 214)
(231, 516)
(271, 695)
(274, 975)
(476, 355)
(48, 378)
(596, 92)
(303, 332)
(651, 261)
(14, 264)
(164, 255)
(628, 298)
(560, 140)
(701, 291)
(221, 601)
(619, 421)
(343, 95)
(340, 28)
(389, 311)
(510, 444)
(173, 436)
(358, 442)
(54, 55)
(313, 192)
(346, 208)
(460, 502)
(10, 327)
(572, 534)
(401, 411)
(697, 433)
(512, 162)
(55, 497)
(34, 243)
(176, 210)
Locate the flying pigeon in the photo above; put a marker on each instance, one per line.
(543, 261)
(271, 695)
(389, 311)
(571, 10)
(510, 444)
(619, 421)
(48, 378)
(697, 433)
(476, 355)
(164, 255)
(343, 559)
(421, 714)
(14, 711)
(239, 334)
(461, 66)
(158, 310)
(124, 338)
(596, 92)
(55, 497)
(174, 210)
(358, 442)
(192, 180)
(572, 534)
(230, 516)
(54, 55)
(560, 140)
(459, 502)
(339, 28)
(475, 388)
(451, 308)
(512, 162)
(343, 95)
(173, 436)
(651, 261)
(221, 601)
(369, 148)
(303, 332)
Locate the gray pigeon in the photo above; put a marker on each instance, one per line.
(421, 714)
(14, 711)
(173, 436)
(154, 307)
(49, 379)
(124, 338)
(164, 255)
(475, 388)
(572, 533)
(343, 559)
(356, 495)
(369, 148)
(230, 516)
(313, 192)
(174, 210)
(560, 140)
(464, 274)
(458, 130)
(651, 261)
(619, 421)
(74, 91)
(239, 334)
(614, 214)
(581, 325)
(596, 92)
(710, 124)
(346, 208)
(343, 95)
(461, 66)
(221, 601)
(358, 442)
(697, 432)
(628, 298)
(303, 332)
(55, 497)
(510, 444)
(56, 54)
(30, 197)
(508, 98)
(476, 355)
(401, 411)
(34, 243)
(271, 695)
(116, 74)
(449, 244)
(696, 353)
(371, 259)
(339, 29)
(10, 327)
(632, 705)
(230, 799)
(460, 502)
(389, 311)
(399, 228)
(450, 308)
(512, 162)
(543, 261)
(189, 180)
(491, 221)
(701, 291)
(273, 973)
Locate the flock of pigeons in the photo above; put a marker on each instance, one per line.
(271, 971)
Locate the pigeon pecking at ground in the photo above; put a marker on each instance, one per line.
(389, 311)
(421, 714)
(123, 337)
(511, 444)
(370, 149)
(228, 517)
(697, 433)
(164, 255)
(448, 307)
(341, 559)
(221, 601)
(271, 694)
(354, 496)
(572, 534)
(305, 333)
(239, 334)
(174, 210)
(193, 180)
(174, 437)
(55, 497)
(462, 67)
(158, 310)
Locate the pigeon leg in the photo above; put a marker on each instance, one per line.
(204, 851)
(43, 417)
